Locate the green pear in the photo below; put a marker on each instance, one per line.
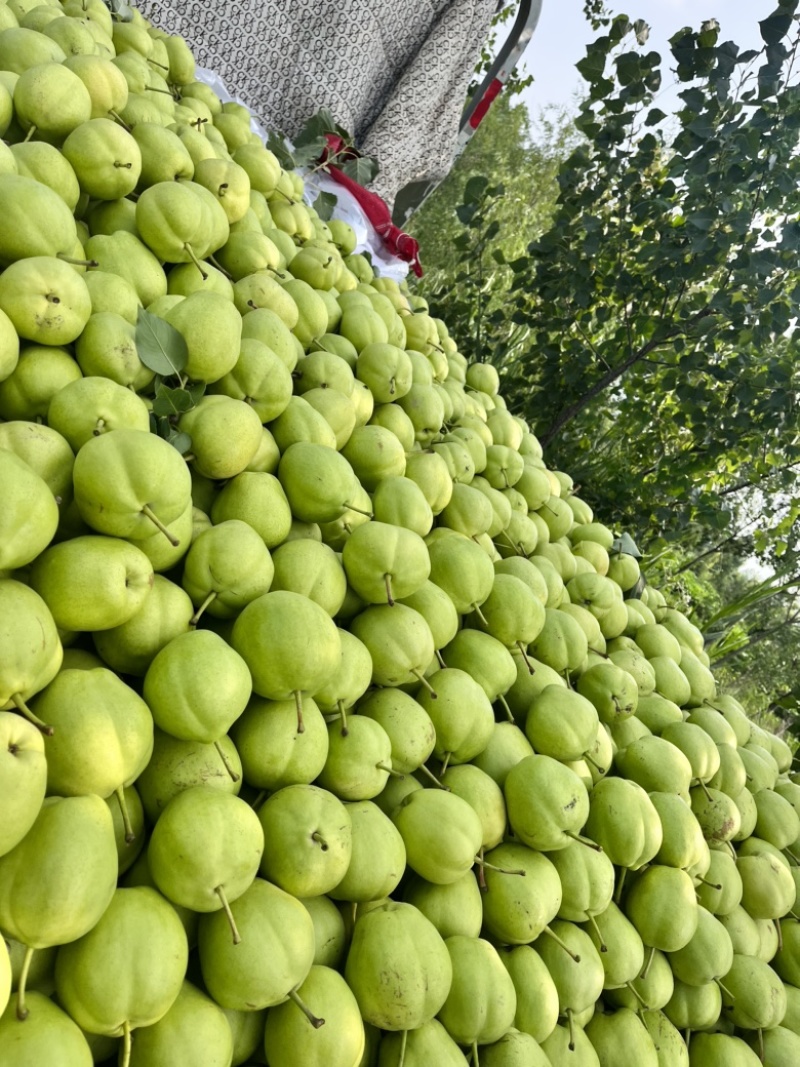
(197, 686)
(358, 759)
(396, 946)
(461, 713)
(743, 931)
(507, 746)
(523, 893)
(378, 856)
(330, 937)
(624, 822)
(46, 164)
(313, 569)
(437, 609)
(777, 821)
(768, 889)
(307, 840)
(561, 644)
(574, 964)
(273, 958)
(454, 908)
(717, 814)
(30, 514)
(488, 661)
(407, 722)
(656, 765)
(225, 433)
(227, 567)
(92, 582)
(205, 850)
(52, 100)
(561, 723)
(194, 1024)
(537, 997)
(484, 795)
(292, 1030)
(260, 378)
(683, 844)
(37, 376)
(273, 754)
(47, 1035)
(128, 970)
(172, 221)
(781, 1045)
(720, 890)
(32, 651)
(122, 253)
(319, 483)
(587, 881)
(707, 957)
(106, 159)
(754, 996)
(621, 1033)
(429, 1043)
(128, 483)
(665, 928)
(57, 882)
(107, 349)
(620, 946)
(23, 778)
(429, 471)
(212, 329)
(512, 613)
(257, 499)
(347, 684)
(303, 642)
(94, 405)
(131, 647)
(399, 642)
(570, 1048)
(653, 986)
(482, 1000)
(720, 1050)
(612, 691)
(46, 300)
(177, 765)
(442, 834)
(547, 803)
(102, 733)
(300, 421)
(669, 1044)
(462, 570)
(787, 958)
(384, 562)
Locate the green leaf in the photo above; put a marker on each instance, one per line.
(324, 205)
(775, 28)
(276, 143)
(161, 347)
(626, 545)
(181, 441)
(169, 401)
(362, 170)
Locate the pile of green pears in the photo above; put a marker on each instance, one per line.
(336, 731)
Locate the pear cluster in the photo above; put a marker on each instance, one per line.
(336, 728)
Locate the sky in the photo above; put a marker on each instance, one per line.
(562, 35)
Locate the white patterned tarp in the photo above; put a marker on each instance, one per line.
(393, 72)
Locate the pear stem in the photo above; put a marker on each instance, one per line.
(594, 763)
(77, 262)
(298, 703)
(21, 706)
(491, 867)
(429, 774)
(705, 789)
(475, 1060)
(191, 253)
(259, 799)
(725, 989)
(403, 1040)
(312, 1018)
(29, 134)
(130, 836)
(317, 836)
(509, 715)
(477, 609)
(620, 886)
(22, 1011)
(711, 885)
(481, 873)
(635, 992)
(524, 654)
(795, 860)
(389, 770)
(571, 1024)
(148, 512)
(221, 269)
(196, 617)
(440, 658)
(572, 955)
(761, 1044)
(343, 717)
(584, 840)
(603, 945)
(424, 682)
(126, 1044)
(650, 956)
(446, 760)
(226, 763)
(387, 581)
(220, 891)
(358, 511)
(118, 118)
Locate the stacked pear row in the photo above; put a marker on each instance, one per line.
(335, 731)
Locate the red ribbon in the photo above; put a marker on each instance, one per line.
(400, 244)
